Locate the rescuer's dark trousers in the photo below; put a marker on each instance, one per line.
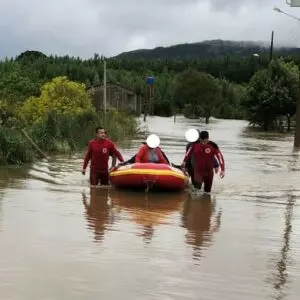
(99, 176)
(205, 177)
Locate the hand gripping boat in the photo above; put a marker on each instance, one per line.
(149, 176)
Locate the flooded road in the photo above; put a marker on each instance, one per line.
(59, 239)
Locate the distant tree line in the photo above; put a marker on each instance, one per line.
(226, 86)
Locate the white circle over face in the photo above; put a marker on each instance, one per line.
(153, 141)
(192, 135)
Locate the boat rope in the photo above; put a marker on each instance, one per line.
(149, 184)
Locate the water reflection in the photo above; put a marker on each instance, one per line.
(12, 176)
(281, 274)
(98, 212)
(197, 219)
(148, 210)
(294, 162)
(1, 197)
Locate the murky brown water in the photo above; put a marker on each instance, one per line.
(61, 240)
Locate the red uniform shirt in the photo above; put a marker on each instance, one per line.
(204, 157)
(98, 152)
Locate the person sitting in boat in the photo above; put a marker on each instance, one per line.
(150, 152)
(132, 159)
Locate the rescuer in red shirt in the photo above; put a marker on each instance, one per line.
(204, 154)
(99, 150)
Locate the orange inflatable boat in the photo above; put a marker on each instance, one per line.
(149, 176)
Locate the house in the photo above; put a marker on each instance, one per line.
(117, 98)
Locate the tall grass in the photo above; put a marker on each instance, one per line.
(59, 134)
(14, 148)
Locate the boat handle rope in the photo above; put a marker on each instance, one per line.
(149, 183)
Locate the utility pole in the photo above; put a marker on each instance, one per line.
(146, 103)
(297, 127)
(272, 44)
(149, 105)
(294, 3)
(151, 99)
(104, 87)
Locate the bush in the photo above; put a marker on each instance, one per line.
(62, 134)
(64, 97)
(61, 120)
(67, 134)
(14, 148)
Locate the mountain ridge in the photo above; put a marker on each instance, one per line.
(207, 49)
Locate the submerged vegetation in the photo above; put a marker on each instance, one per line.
(61, 134)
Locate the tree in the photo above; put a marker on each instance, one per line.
(198, 91)
(186, 89)
(272, 93)
(260, 101)
(229, 104)
(96, 79)
(88, 84)
(210, 93)
(164, 86)
(290, 79)
(16, 84)
(61, 96)
(31, 55)
(23, 77)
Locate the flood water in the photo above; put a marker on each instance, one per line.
(59, 239)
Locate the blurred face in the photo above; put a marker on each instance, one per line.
(101, 134)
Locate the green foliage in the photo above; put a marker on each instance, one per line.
(62, 134)
(96, 79)
(31, 55)
(165, 84)
(48, 92)
(14, 148)
(62, 96)
(15, 84)
(198, 92)
(272, 93)
(229, 105)
(73, 132)
(204, 50)
(62, 119)
(186, 89)
(24, 76)
(119, 125)
(7, 111)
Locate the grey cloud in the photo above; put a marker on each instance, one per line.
(83, 27)
(235, 5)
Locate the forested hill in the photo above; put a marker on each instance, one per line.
(207, 50)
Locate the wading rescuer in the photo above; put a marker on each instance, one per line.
(150, 152)
(99, 150)
(204, 154)
(190, 162)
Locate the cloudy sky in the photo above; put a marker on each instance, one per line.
(108, 27)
